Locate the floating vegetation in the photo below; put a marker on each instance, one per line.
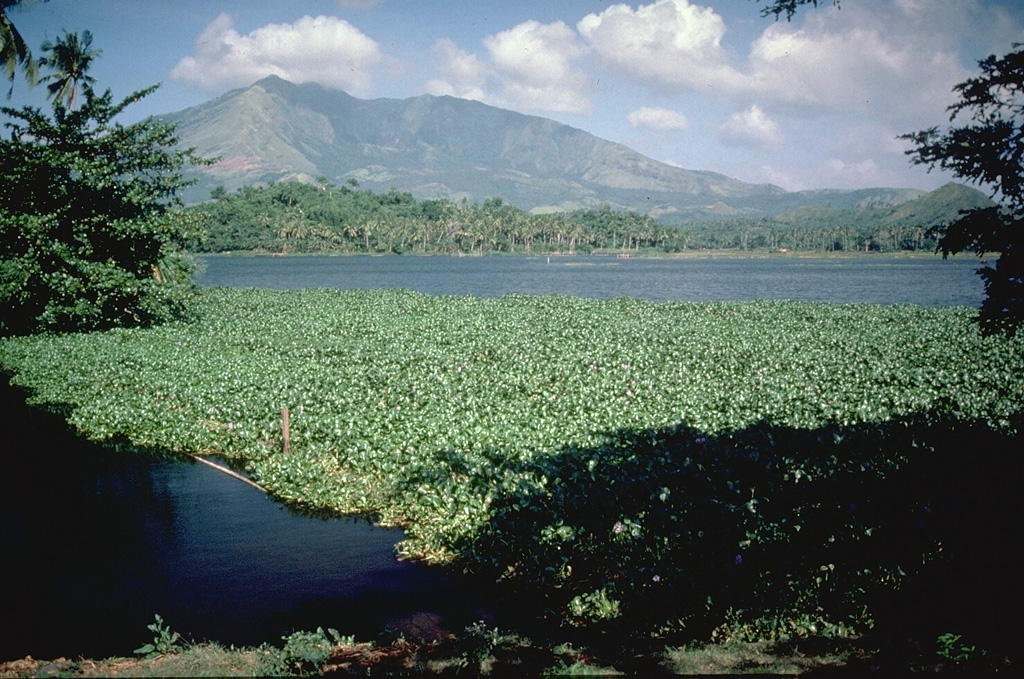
(740, 466)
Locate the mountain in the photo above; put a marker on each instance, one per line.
(443, 147)
(435, 147)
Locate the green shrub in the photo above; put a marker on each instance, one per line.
(88, 239)
(164, 642)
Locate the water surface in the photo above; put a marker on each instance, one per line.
(95, 542)
(930, 281)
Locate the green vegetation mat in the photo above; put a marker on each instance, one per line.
(754, 469)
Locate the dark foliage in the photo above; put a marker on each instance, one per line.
(985, 146)
(88, 239)
(777, 8)
(781, 532)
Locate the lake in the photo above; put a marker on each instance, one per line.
(96, 542)
(929, 281)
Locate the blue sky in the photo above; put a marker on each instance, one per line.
(708, 85)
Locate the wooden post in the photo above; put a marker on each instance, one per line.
(284, 428)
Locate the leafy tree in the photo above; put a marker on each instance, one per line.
(13, 49)
(69, 58)
(788, 7)
(88, 238)
(986, 148)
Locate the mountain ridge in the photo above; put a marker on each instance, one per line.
(445, 147)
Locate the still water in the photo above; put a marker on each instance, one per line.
(930, 281)
(96, 542)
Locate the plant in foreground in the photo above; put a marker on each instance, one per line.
(164, 643)
(952, 648)
(306, 652)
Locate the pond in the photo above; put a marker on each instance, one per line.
(96, 542)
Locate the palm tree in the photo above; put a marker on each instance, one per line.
(70, 59)
(13, 49)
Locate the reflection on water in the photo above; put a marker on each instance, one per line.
(930, 281)
(96, 542)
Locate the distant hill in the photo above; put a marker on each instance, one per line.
(941, 206)
(443, 147)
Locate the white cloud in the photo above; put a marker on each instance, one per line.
(864, 173)
(322, 49)
(850, 69)
(464, 75)
(529, 67)
(751, 127)
(657, 118)
(535, 63)
(668, 44)
(871, 56)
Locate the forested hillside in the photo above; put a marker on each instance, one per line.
(301, 217)
(438, 147)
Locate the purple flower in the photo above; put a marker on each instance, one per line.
(618, 527)
(739, 559)
(656, 578)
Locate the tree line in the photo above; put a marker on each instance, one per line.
(294, 217)
(300, 217)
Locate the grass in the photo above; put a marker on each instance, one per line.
(201, 660)
(510, 655)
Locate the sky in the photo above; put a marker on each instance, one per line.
(816, 102)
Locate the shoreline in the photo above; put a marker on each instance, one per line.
(691, 254)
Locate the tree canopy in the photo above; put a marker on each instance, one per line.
(985, 146)
(87, 236)
(69, 58)
(296, 217)
(14, 51)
